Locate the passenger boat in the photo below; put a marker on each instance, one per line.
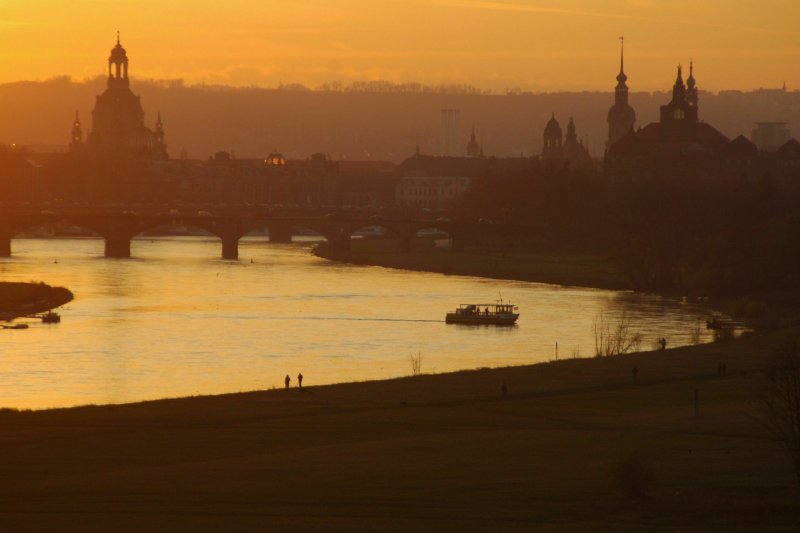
(499, 314)
(51, 317)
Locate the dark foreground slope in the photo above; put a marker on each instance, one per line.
(429, 452)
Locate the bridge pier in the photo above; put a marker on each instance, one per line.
(280, 232)
(5, 246)
(340, 248)
(230, 248)
(118, 247)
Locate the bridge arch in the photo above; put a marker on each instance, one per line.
(284, 231)
(392, 230)
(58, 225)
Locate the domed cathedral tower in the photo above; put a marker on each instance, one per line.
(680, 111)
(118, 118)
(553, 139)
(621, 116)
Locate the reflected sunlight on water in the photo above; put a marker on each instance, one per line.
(177, 321)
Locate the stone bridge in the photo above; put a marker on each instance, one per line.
(118, 226)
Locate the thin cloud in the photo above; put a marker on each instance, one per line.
(520, 8)
(492, 5)
(719, 26)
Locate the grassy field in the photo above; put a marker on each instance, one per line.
(432, 452)
(22, 299)
(561, 268)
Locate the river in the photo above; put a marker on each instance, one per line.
(176, 321)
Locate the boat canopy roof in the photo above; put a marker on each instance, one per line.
(468, 306)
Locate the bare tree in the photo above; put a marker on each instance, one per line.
(616, 338)
(782, 401)
(416, 364)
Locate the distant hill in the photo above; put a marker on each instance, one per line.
(252, 122)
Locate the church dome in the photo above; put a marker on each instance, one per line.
(275, 159)
(553, 127)
(691, 82)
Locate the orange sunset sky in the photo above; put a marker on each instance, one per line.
(539, 45)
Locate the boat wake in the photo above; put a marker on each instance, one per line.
(349, 319)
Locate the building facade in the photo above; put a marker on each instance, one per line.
(681, 146)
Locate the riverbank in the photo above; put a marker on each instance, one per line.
(446, 451)
(762, 310)
(557, 268)
(23, 299)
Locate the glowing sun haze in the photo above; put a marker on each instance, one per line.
(540, 45)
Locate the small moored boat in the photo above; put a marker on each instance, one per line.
(16, 326)
(500, 314)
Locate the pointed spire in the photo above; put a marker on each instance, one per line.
(621, 77)
(118, 43)
(473, 148)
(77, 119)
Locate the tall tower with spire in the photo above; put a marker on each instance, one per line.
(691, 87)
(473, 148)
(681, 110)
(621, 116)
